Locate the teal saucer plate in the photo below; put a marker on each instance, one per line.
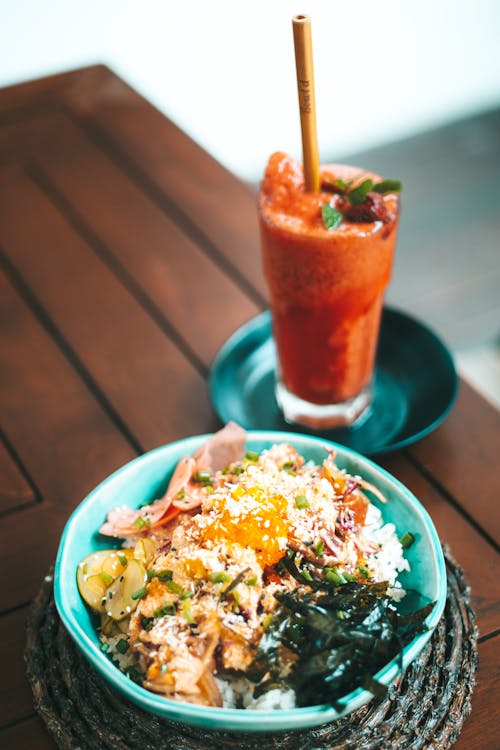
(146, 478)
(414, 387)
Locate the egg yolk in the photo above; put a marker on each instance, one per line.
(259, 521)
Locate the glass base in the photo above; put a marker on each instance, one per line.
(323, 416)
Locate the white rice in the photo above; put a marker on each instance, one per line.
(388, 560)
(238, 693)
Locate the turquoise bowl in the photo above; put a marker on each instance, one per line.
(146, 478)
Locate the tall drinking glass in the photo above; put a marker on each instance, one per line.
(326, 289)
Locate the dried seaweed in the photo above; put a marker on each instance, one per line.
(335, 637)
(426, 708)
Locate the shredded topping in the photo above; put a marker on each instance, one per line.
(216, 554)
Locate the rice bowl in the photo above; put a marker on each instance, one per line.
(145, 479)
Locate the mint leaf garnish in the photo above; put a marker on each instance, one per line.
(331, 217)
(340, 185)
(343, 184)
(388, 186)
(359, 193)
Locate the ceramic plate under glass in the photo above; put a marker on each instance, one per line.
(414, 388)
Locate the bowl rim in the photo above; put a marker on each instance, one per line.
(233, 718)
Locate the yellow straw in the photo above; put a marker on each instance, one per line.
(307, 103)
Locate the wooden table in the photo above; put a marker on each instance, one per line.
(128, 255)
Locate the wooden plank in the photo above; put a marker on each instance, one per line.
(36, 531)
(15, 490)
(225, 213)
(462, 456)
(201, 302)
(437, 224)
(55, 425)
(473, 553)
(468, 435)
(127, 354)
(79, 86)
(15, 693)
(28, 735)
(480, 731)
(60, 433)
(19, 138)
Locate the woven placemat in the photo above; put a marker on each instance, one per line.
(426, 709)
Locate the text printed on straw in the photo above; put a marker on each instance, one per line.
(305, 96)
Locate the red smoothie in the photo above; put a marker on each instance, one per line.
(326, 285)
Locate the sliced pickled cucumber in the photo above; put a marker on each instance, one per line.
(93, 590)
(122, 597)
(144, 551)
(88, 577)
(116, 562)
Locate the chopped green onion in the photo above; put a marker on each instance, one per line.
(166, 609)
(251, 456)
(150, 573)
(122, 646)
(267, 621)
(238, 470)
(219, 576)
(301, 501)
(202, 477)
(335, 576)
(163, 668)
(251, 581)
(165, 575)
(104, 647)
(363, 570)
(123, 560)
(85, 569)
(320, 548)
(181, 494)
(349, 577)
(305, 574)
(407, 540)
(209, 489)
(140, 593)
(174, 587)
(108, 580)
(186, 608)
(141, 522)
(236, 597)
(186, 595)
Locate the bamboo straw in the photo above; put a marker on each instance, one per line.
(307, 103)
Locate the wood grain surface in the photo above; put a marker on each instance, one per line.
(127, 257)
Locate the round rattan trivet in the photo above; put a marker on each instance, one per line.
(425, 710)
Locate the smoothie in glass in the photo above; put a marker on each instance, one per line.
(326, 286)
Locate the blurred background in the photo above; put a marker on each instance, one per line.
(424, 74)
